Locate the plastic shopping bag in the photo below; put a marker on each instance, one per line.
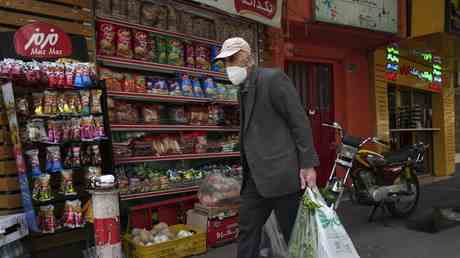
(273, 244)
(318, 232)
(218, 190)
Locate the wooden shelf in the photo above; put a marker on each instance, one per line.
(415, 130)
(127, 63)
(147, 127)
(166, 98)
(158, 31)
(127, 197)
(140, 159)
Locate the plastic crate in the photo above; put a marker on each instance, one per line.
(177, 248)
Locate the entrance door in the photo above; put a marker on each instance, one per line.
(314, 85)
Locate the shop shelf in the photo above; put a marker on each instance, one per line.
(415, 130)
(158, 31)
(147, 127)
(140, 159)
(165, 98)
(127, 197)
(127, 63)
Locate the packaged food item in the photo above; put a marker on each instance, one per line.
(38, 104)
(162, 14)
(140, 45)
(203, 57)
(187, 142)
(140, 83)
(174, 88)
(149, 15)
(158, 146)
(218, 190)
(96, 158)
(73, 215)
(118, 10)
(67, 187)
(35, 131)
(152, 48)
(124, 43)
(118, 81)
(85, 97)
(187, 24)
(134, 10)
(54, 131)
(106, 38)
(157, 86)
(129, 83)
(177, 115)
(201, 142)
(173, 19)
(195, 115)
(96, 107)
(150, 113)
(217, 66)
(53, 159)
(186, 85)
(74, 102)
(232, 92)
(62, 106)
(69, 75)
(176, 52)
(99, 131)
(46, 220)
(162, 48)
(197, 90)
(103, 7)
(22, 106)
(210, 88)
(50, 103)
(190, 55)
(87, 128)
(34, 162)
(221, 90)
(90, 176)
(75, 132)
(72, 157)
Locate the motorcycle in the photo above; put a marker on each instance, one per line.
(387, 182)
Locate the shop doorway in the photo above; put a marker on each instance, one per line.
(314, 83)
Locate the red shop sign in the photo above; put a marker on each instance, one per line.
(41, 40)
(265, 8)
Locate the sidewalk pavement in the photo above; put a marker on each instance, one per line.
(373, 240)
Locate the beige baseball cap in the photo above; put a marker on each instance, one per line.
(232, 46)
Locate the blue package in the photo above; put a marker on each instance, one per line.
(210, 88)
(186, 85)
(197, 90)
(217, 66)
(174, 88)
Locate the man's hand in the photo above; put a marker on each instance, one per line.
(307, 177)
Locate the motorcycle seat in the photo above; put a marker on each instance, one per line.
(399, 156)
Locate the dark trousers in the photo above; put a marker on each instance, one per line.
(254, 212)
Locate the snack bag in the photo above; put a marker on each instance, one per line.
(141, 45)
(203, 57)
(176, 52)
(217, 66)
(217, 190)
(124, 43)
(106, 35)
(162, 48)
(186, 85)
(152, 48)
(190, 55)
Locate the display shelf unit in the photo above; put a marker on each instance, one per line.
(150, 128)
(178, 190)
(166, 98)
(396, 130)
(158, 31)
(126, 63)
(141, 159)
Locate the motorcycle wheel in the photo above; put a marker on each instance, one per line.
(402, 210)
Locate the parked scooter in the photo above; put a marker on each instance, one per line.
(387, 182)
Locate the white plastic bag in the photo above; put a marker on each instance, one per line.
(333, 240)
(273, 244)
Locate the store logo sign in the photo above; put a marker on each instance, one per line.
(40, 40)
(264, 8)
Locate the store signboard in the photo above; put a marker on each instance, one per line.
(378, 15)
(263, 11)
(40, 40)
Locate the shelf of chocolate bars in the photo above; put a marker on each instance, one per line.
(60, 116)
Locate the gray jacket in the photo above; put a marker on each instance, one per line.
(276, 133)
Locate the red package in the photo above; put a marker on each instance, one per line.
(124, 43)
(141, 45)
(129, 84)
(106, 36)
(190, 55)
(139, 83)
(203, 57)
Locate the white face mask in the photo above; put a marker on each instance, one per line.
(236, 74)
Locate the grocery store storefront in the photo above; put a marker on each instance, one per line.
(414, 101)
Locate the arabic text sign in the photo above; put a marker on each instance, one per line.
(263, 11)
(379, 15)
(42, 41)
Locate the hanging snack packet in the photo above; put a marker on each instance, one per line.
(53, 159)
(176, 52)
(140, 45)
(189, 55)
(162, 47)
(34, 162)
(96, 107)
(124, 43)
(85, 102)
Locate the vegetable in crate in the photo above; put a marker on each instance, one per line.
(124, 43)
(176, 52)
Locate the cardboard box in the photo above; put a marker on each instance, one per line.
(8, 167)
(9, 184)
(10, 201)
(219, 231)
(12, 228)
